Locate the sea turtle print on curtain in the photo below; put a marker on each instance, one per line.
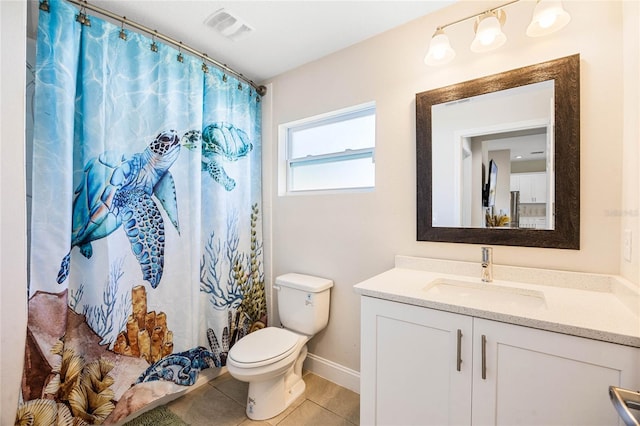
(223, 140)
(146, 260)
(116, 190)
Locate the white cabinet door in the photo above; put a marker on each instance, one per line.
(537, 377)
(519, 376)
(514, 182)
(532, 187)
(539, 187)
(409, 365)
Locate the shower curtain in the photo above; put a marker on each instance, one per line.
(146, 258)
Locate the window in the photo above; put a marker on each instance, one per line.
(333, 151)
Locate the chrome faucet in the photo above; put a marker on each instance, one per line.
(487, 264)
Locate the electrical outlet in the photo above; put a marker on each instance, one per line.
(626, 245)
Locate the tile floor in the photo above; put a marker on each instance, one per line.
(222, 402)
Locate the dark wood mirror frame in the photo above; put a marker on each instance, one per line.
(566, 235)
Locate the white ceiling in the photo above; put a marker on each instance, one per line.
(287, 33)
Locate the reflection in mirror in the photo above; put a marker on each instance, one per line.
(510, 130)
(498, 158)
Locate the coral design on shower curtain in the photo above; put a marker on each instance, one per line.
(146, 256)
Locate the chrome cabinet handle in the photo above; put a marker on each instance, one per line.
(484, 357)
(459, 351)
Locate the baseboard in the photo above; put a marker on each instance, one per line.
(333, 372)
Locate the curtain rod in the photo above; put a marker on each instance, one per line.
(260, 90)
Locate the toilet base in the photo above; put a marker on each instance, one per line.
(268, 398)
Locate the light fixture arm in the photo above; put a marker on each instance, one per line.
(475, 15)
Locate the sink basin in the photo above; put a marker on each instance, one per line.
(484, 295)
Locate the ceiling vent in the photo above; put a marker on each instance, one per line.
(229, 25)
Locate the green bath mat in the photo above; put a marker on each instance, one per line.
(160, 416)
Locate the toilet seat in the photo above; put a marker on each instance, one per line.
(262, 347)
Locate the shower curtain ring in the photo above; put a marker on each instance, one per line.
(180, 58)
(205, 68)
(123, 34)
(154, 46)
(82, 17)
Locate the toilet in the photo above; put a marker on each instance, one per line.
(270, 359)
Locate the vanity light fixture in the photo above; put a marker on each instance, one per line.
(548, 16)
(440, 51)
(488, 28)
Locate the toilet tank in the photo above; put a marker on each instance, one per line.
(303, 302)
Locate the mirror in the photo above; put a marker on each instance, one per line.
(498, 158)
(493, 167)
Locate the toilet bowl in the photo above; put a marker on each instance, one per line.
(271, 359)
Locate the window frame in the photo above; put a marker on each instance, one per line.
(286, 163)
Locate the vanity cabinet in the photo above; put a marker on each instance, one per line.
(429, 367)
(409, 373)
(532, 187)
(540, 377)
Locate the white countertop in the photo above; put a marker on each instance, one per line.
(600, 307)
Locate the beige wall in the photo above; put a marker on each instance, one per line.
(630, 209)
(351, 237)
(13, 272)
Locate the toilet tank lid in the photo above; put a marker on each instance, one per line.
(304, 282)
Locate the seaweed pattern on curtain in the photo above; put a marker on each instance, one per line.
(146, 256)
(242, 289)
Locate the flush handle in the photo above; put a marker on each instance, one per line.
(459, 351)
